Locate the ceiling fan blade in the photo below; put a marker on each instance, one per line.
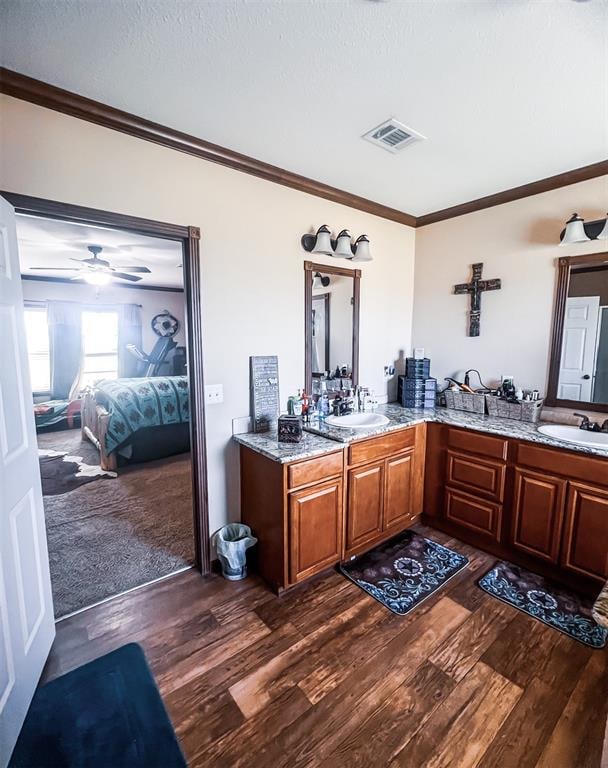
(82, 261)
(125, 276)
(142, 270)
(56, 269)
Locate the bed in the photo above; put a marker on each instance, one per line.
(134, 420)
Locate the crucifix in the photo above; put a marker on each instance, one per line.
(475, 288)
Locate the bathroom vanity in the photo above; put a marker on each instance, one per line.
(496, 484)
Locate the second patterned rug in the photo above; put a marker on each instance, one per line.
(404, 571)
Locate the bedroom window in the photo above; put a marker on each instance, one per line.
(100, 346)
(37, 337)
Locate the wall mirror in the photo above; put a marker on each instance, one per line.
(578, 375)
(331, 299)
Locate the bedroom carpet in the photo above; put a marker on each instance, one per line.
(114, 534)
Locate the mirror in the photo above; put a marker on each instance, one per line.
(579, 356)
(331, 297)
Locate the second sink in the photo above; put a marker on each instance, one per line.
(576, 435)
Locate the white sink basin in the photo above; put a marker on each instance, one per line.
(576, 435)
(357, 420)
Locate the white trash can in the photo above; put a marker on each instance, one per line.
(231, 543)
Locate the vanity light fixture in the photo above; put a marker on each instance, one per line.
(340, 248)
(322, 244)
(579, 231)
(361, 249)
(343, 248)
(319, 281)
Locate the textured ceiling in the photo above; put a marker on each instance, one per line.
(52, 243)
(507, 91)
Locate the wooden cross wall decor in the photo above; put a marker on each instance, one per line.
(476, 288)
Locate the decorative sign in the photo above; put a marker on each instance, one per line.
(264, 378)
(475, 288)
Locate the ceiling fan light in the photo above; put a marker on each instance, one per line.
(97, 278)
(343, 249)
(323, 242)
(575, 231)
(603, 235)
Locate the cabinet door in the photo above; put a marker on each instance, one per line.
(585, 546)
(315, 529)
(476, 515)
(398, 491)
(365, 500)
(538, 514)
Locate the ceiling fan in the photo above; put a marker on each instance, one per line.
(98, 271)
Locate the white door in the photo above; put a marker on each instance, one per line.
(579, 343)
(27, 627)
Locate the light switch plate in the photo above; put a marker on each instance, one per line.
(214, 393)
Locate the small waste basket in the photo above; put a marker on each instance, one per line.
(231, 543)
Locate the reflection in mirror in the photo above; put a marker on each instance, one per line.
(583, 368)
(331, 328)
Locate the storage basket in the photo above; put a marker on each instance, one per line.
(464, 401)
(528, 410)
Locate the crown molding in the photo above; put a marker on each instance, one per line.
(49, 96)
(517, 193)
(38, 92)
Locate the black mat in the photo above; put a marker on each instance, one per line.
(404, 571)
(106, 714)
(539, 598)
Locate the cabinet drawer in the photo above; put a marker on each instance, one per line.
(477, 442)
(476, 475)
(482, 517)
(381, 447)
(571, 465)
(312, 470)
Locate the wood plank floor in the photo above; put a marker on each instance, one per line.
(324, 675)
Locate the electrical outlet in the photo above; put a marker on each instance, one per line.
(214, 394)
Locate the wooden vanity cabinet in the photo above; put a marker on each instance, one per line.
(544, 508)
(310, 514)
(384, 496)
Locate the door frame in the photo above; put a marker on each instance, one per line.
(189, 236)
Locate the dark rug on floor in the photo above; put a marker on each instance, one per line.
(107, 713)
(404, 571)
(63, 473)
(112, 535)
(545, 601)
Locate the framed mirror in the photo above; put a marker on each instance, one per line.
(578, 370)
(331, 301)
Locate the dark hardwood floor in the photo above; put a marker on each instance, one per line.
(324, 675)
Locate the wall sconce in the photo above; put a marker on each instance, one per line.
(579, 231)
(320, 281)
(340, 248)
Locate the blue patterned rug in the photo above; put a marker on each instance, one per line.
(404, 571)
(544, 601)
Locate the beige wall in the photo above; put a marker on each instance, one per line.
(517, 242)
(253, 278)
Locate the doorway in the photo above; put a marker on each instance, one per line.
(121, 510)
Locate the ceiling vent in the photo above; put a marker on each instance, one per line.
(392, 135)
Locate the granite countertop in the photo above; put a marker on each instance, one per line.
(321, 438)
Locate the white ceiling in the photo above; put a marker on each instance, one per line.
(52, 243)
(506, 91)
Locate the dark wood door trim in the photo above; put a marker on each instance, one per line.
(564, 268)
(49, 96)
(517, 193)
(190, 238)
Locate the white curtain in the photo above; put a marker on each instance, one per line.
(129, 332)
